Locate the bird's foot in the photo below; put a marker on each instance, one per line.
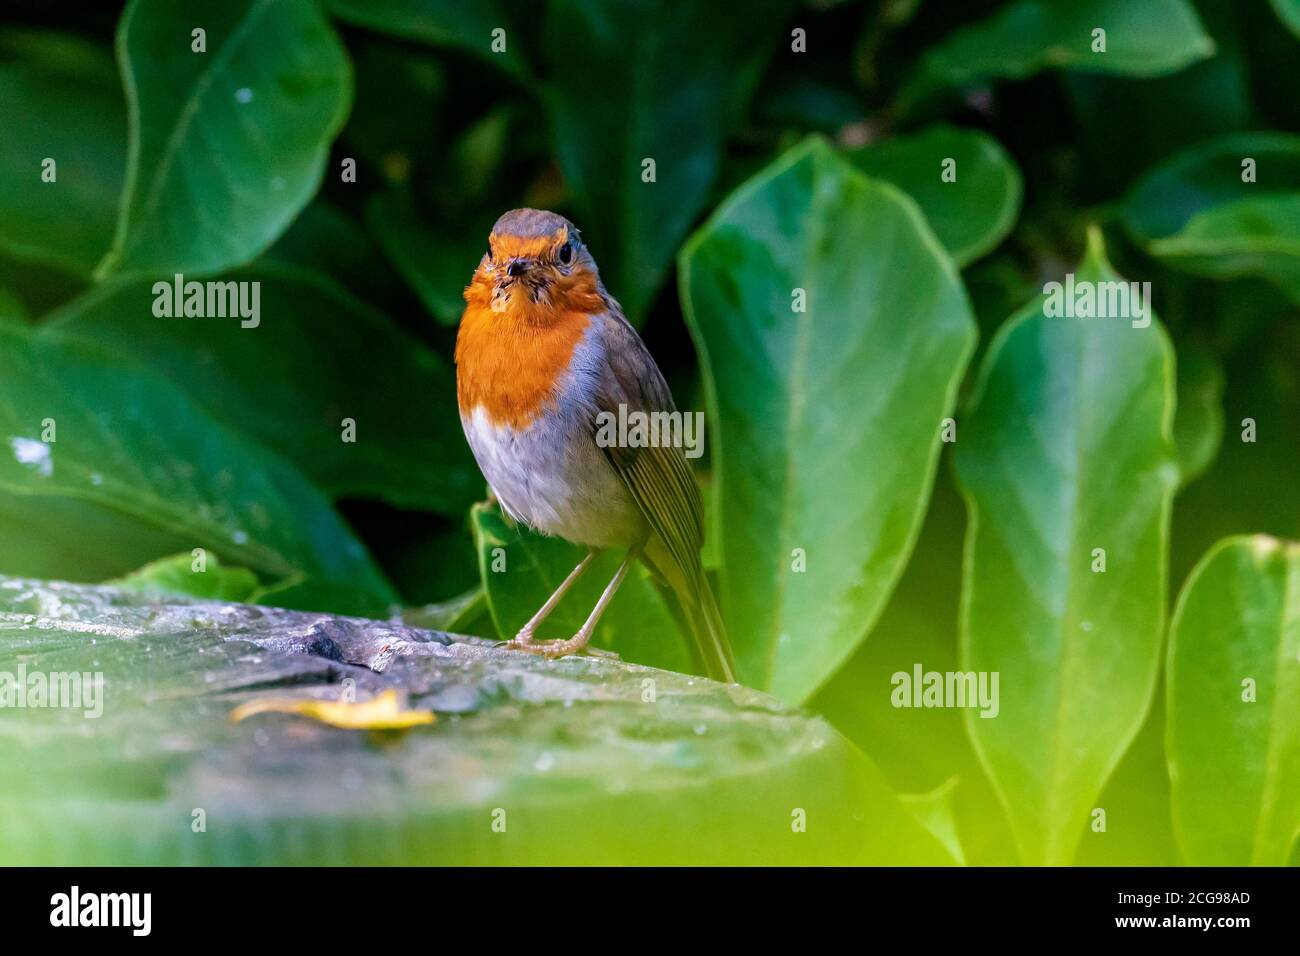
(524, 641)
(548, 649)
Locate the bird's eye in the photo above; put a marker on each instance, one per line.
(566, 253)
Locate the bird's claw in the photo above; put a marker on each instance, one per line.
(521, 642)
(549, 649)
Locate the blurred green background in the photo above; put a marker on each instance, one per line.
(350, 156)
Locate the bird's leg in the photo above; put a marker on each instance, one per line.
(578, 642)
(526, 633)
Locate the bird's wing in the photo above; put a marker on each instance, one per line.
(661, 482)
(658, 476)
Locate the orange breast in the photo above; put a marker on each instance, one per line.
(509, 367)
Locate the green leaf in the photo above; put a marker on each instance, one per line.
(573, 756)
(1233, 736)
(1288, 11)
(671, 98)
(316, 358)
(521, 569)
(826, 422)
(1224, 209)
(1198, 426)
(178, 575)
(461, 24)
(971, 214)
(60, 100)
(1250, 237)
(1066, 448)
(127, 440)
(1209, 175)
(1142, 38)
(227, 145)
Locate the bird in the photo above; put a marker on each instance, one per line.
(542, 351)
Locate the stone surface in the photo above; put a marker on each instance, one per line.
(581, 760)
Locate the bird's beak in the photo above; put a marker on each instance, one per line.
(519, 279)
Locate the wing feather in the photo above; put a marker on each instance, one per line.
(658, 476)
(660, 480)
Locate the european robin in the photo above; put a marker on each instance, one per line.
(542, 351)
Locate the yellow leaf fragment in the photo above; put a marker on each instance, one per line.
(382, 712)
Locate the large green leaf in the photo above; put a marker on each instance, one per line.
(521, 569)
(460, 24)
(126, 440)
(316, 358)
(971, 214)
(575, 761)
(826, 422)
(227, 146)
(1233, 736)
(669, 97)
(59, 100)
(1143, 38)
(1067, 448)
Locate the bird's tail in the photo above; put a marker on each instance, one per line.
(691, 601)
(704, 620)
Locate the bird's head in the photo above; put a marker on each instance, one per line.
(536, 268)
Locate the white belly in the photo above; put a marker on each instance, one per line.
(553, 477)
